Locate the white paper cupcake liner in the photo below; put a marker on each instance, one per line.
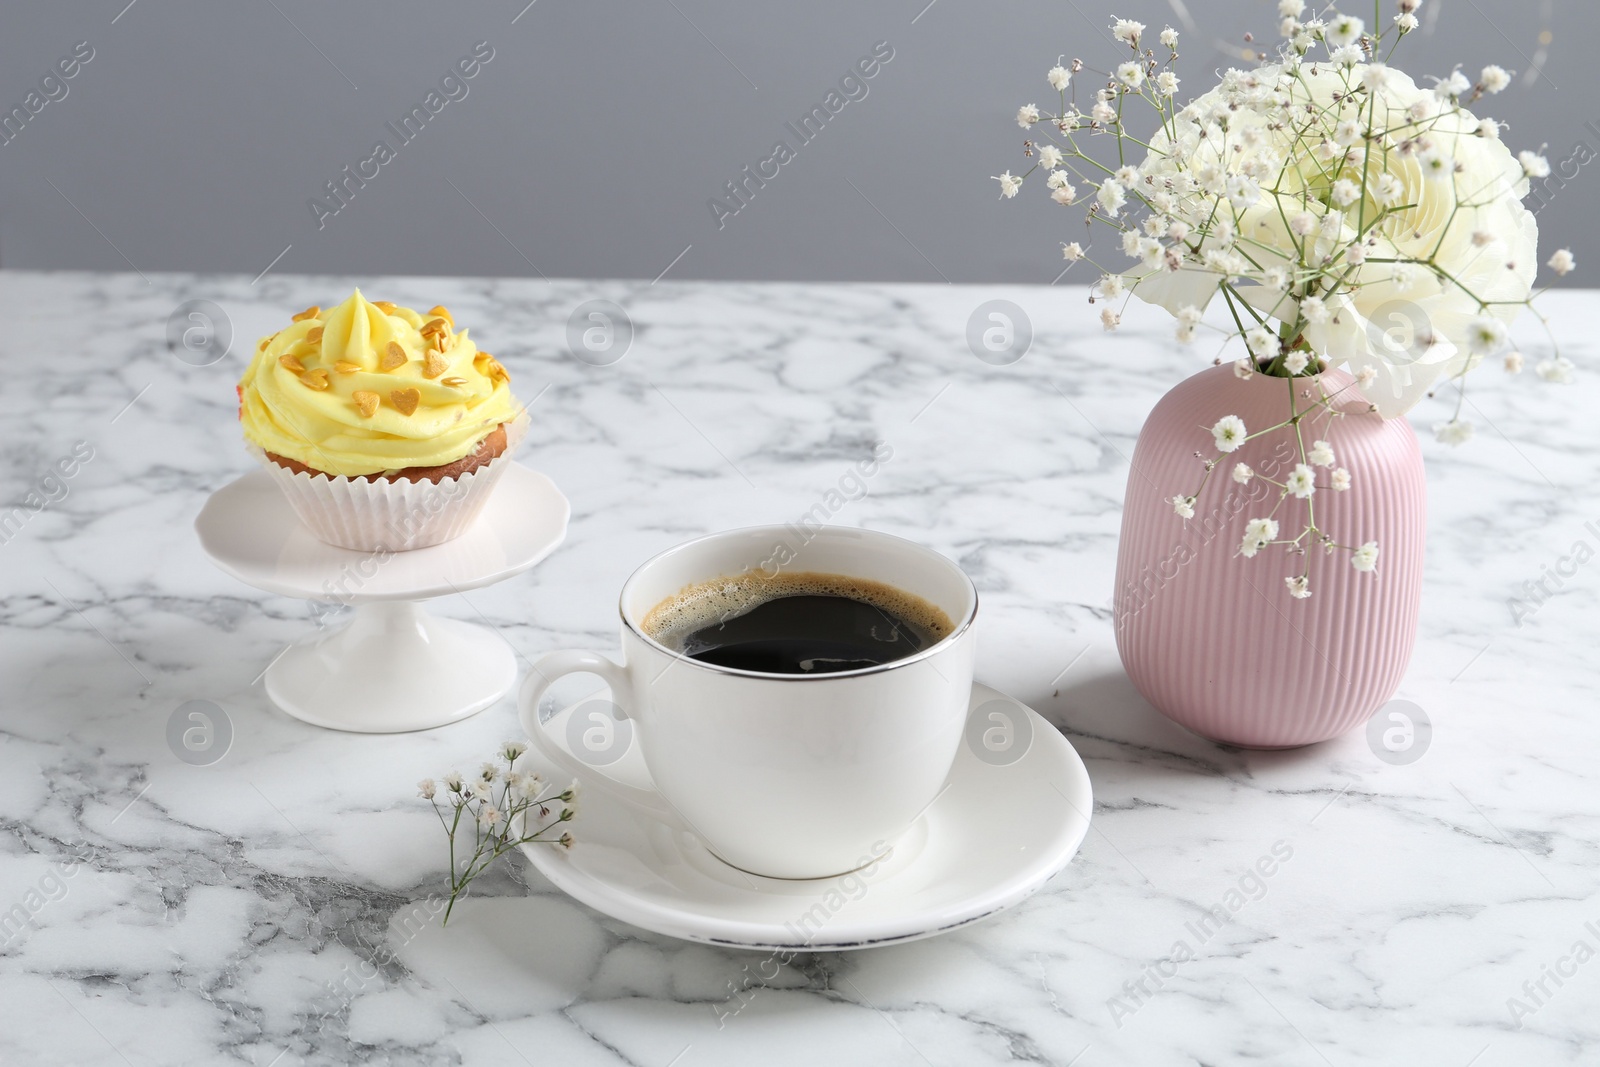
(367, 516)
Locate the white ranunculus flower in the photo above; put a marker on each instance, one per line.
(1412, 328)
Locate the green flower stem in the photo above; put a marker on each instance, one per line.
(492, 842)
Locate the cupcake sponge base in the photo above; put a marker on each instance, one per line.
(393, 513)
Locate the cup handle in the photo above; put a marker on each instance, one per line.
(553, 665)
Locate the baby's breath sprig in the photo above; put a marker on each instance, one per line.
(505, 808)
(1230, 433)
(1344, 215)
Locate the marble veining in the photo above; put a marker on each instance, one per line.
(279, 906)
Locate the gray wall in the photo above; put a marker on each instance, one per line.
(592, 141)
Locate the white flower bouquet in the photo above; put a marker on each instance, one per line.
(1345, 215)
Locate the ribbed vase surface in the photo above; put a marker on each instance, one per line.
(1214, 640)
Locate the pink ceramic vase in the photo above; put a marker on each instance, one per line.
(1214, 640)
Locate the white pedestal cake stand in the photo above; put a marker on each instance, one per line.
(393, 667)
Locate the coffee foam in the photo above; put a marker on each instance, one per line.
(703, 604)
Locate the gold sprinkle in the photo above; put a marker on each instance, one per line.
(314, 334)
(454, 381)
(442, 312)
(433, 326)
(289, 363)
(309, 313)
(496, 372)
(366, 403)
(344, 366)
(385, 307)
(405, 401)
(434, 365)
(393, 356)
(315, 379)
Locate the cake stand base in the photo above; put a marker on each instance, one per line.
(393, 668)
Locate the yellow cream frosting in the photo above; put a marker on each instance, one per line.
(369, 388)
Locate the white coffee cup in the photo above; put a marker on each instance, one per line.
(784, 775)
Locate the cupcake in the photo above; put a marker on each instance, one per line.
(385, 428)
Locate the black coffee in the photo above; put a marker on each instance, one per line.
(807, 635)
(796, 623)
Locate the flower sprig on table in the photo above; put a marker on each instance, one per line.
(1345, 215)
(504, 807)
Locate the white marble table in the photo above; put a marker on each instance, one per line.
(258, 910)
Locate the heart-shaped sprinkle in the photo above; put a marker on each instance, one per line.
(405, 401)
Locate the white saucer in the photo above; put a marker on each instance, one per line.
(996, 834)
(393, 667)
